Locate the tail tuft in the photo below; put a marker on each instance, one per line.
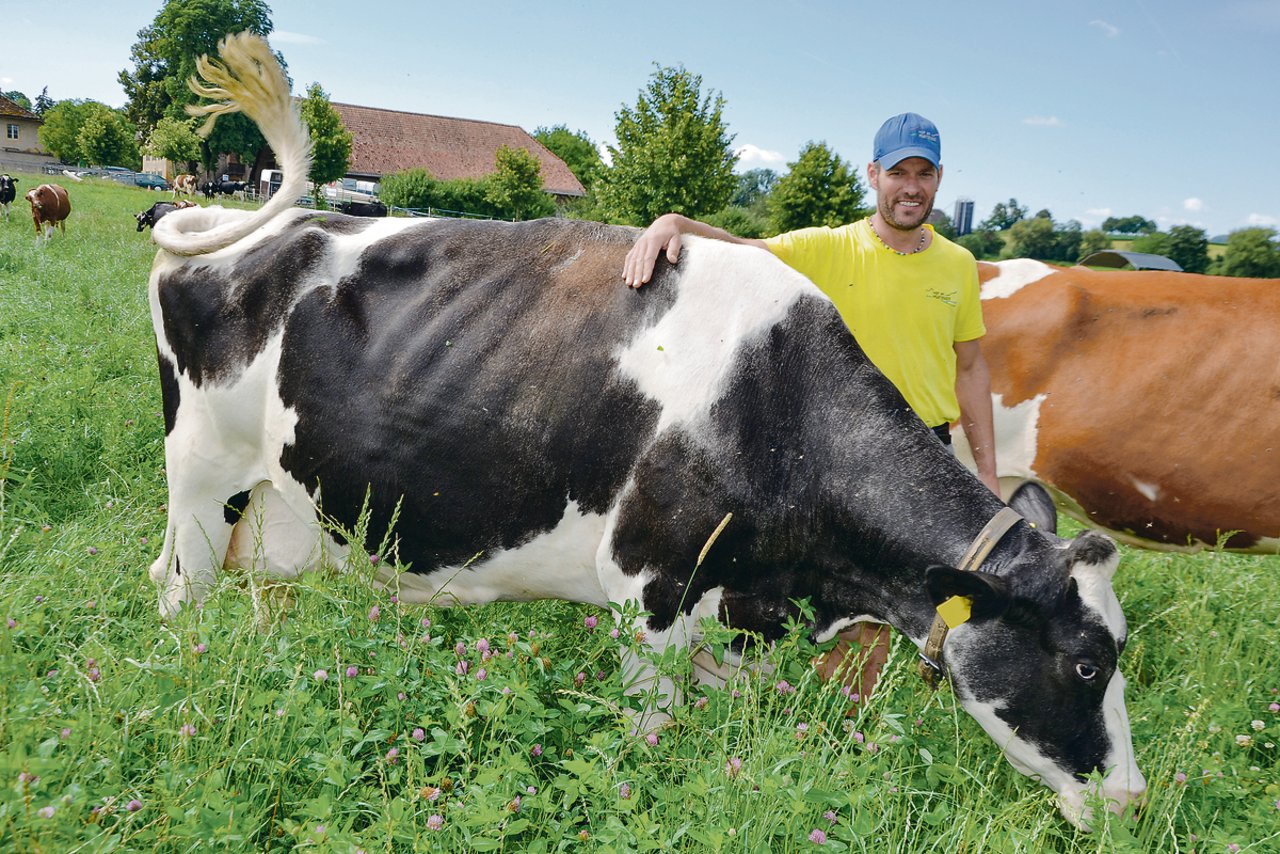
(248, 80)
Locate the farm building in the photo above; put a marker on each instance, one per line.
(388, 141)
(20, 144)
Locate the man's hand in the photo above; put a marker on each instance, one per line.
(662, 236)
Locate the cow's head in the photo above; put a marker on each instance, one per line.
(1039, 674)
(145, 218)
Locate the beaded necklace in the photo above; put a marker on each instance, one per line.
(890, 248)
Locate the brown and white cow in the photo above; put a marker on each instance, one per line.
(50, 207)
(525, 426)
(184, 184)
(1149, 402)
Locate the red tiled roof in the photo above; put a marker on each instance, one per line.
(9, 108)
(387, 141)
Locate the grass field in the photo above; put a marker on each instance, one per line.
(351, 723)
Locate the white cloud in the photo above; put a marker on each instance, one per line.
(1044, 121)
(6, 81)
(1109, 30)
(754, 157)
(286, 37)
(1262, 219)
(605, 156)
(1098, 213)
(1193, 204)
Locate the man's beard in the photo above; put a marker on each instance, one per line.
(886, 213)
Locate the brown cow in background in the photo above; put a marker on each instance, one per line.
(1148, 402)
(50, 207)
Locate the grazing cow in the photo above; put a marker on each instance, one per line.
(184, 184)
(8, 192)
(223, 188)
(494, 388)
(50, 207)
(1149, 402)
(363, 208)
(156, 212)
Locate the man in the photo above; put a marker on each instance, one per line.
(909, 295)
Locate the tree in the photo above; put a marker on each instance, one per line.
(106, 138)
(576, 149)
(754, 186)
(742, 221)
(515, 188)
(1251, 253)
(1003, 216)
(18, 98)
(43, 102)
(673, 152)
(176, 140)
(984, 243)
(1155, 243)
(60, 133)
(1041, 238)
(820, 188)
(330, 139)
(942, 224)
(164, 58)
(1189, 246)
(1129, 225)
(1094, 240)
(412, 188)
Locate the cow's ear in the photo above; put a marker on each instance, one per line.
(988, 594)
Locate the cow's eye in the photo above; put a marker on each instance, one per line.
(1086, 671)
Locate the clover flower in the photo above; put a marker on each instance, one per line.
(817, 837)
(435, 822)
(733, 767)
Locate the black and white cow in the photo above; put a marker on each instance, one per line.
(8, 192)
(363, 208)
(497, 386)
(223, 188)
(158, 211)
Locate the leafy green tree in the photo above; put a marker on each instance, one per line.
(754, 186)
(1043, 213)
(330, 139)
(1093, 240)
(107, 139)
(515, 187)
(820, 188)
(1032, 238)
(1189, 246)
(412, 189)
(742, 221)
(1251, 253)
(984, 243)
(1003, 216)
(673, 152)
(60, 133)
(1129, 225)
(164, 58)
(176, 140)
(18, 98)
(1155, 243)
(576, 149)
(942, 224)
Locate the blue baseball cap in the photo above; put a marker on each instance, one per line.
(907, 135)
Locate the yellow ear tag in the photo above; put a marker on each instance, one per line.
(955, 611)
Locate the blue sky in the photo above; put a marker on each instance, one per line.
(1090, 109)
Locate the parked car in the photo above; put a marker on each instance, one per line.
(151, 181)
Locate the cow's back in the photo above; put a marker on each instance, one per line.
(1159, 397)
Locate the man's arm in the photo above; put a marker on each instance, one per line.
(664, 235)
(973, 391)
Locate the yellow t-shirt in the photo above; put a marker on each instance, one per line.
(906, 311)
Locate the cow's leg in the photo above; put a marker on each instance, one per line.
(197, 533)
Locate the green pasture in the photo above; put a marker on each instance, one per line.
(346, 722)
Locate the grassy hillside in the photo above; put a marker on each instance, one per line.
(351, 723)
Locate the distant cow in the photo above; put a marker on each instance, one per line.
(156, 212)
(50, 206)
(540, 430)
(8, 192)
(1149, 402)
(223, 188)
(184, 184)
(363, 208)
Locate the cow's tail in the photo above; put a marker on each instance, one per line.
(247, 80)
